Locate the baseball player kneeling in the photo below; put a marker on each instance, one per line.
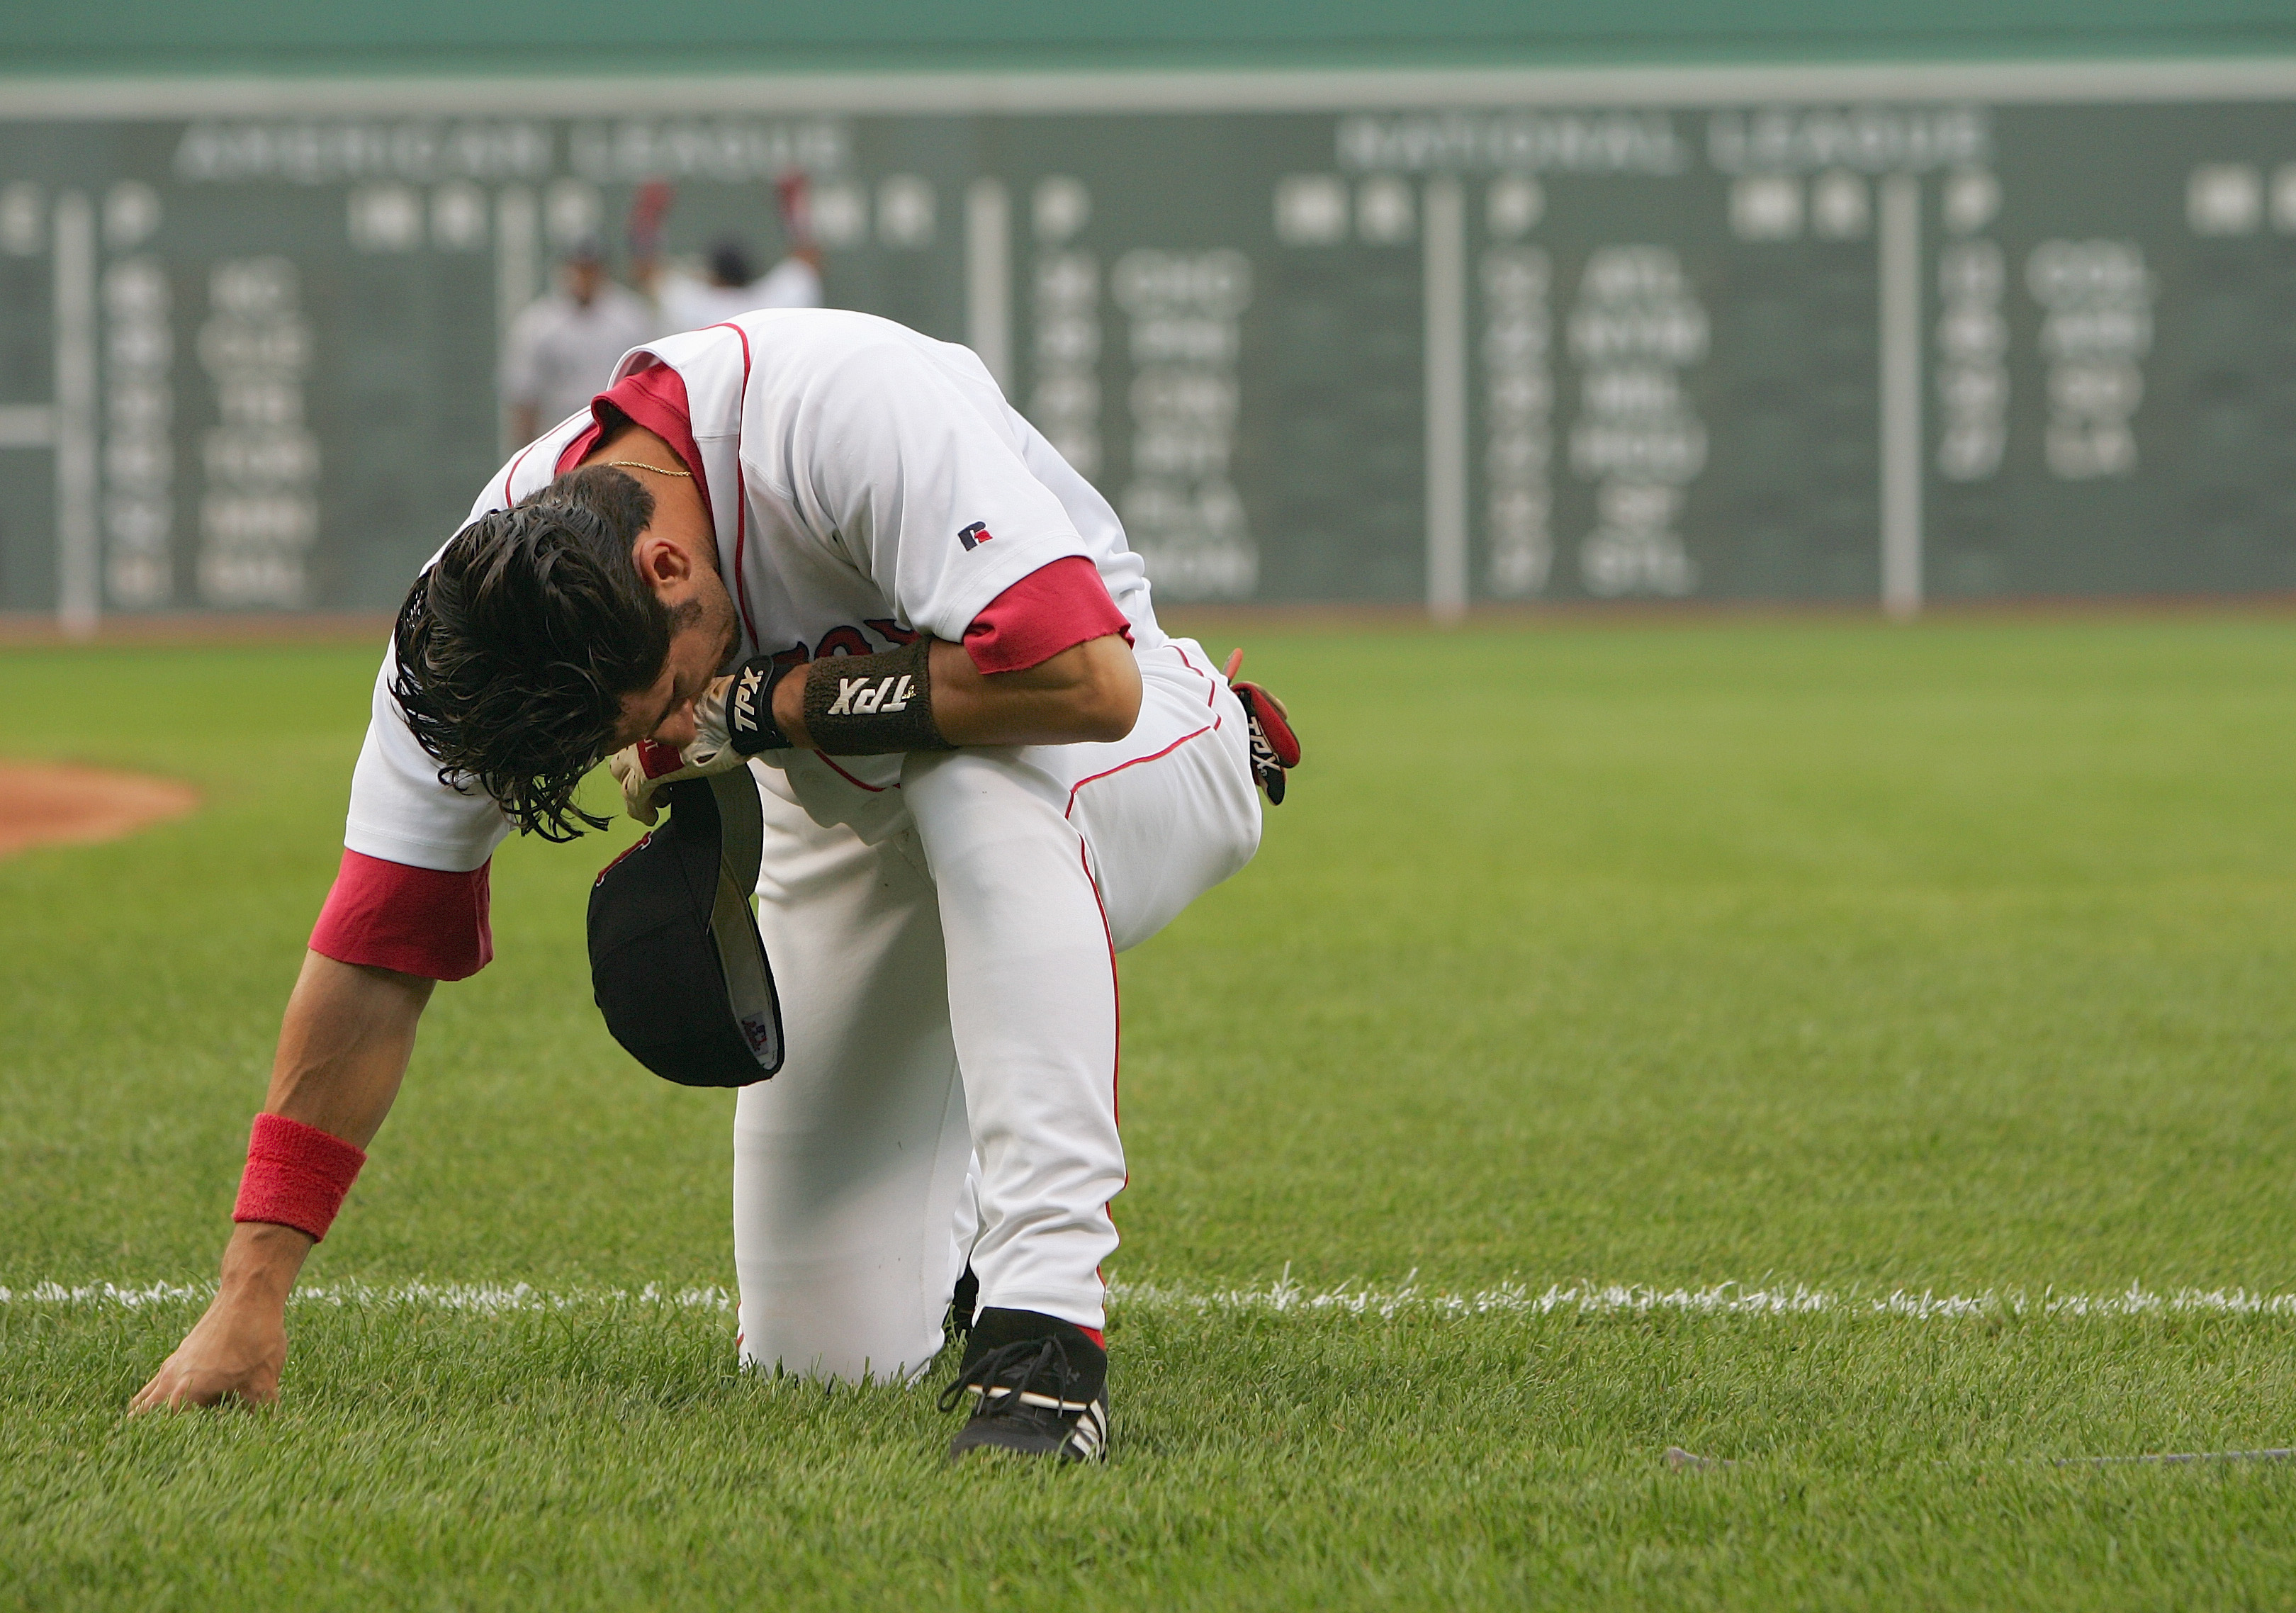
(821, 547)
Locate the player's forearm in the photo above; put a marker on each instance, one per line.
(260, 1265)
(925, 696)
(343, 1046)
(1089, 691)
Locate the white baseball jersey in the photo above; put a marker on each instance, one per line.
(861, 478)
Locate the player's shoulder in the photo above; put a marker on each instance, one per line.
(803, 332)
(529, 469)
(796, 364)
(838, 351)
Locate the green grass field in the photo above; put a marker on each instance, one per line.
(1589, 972)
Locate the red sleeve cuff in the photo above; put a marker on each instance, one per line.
(415, 920)
(1053, 608)
(296, 1176)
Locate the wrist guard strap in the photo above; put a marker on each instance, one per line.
(297, 1175)
(750, 725)
(872, 705)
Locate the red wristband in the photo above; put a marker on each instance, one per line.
(297, 1175)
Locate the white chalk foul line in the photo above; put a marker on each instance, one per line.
(1716, 1299)
(1282, 1298)
(484, 1298)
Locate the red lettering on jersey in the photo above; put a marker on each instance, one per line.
(843, 640)
(892, 632)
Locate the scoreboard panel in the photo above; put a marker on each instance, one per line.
(1752, 348)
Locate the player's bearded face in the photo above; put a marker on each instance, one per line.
(699, 644)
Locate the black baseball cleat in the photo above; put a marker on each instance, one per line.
(1039, 1388)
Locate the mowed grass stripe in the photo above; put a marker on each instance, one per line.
(1941, 969)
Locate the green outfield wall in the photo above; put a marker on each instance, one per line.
(1475, 305)
(876, 36)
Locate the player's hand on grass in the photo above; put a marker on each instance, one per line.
(234, 1352)
(1274, 748)
(644, 769)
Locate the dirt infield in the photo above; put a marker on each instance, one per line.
(176, 629)
(57, 804)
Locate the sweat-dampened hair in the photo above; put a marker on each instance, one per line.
(516, 648)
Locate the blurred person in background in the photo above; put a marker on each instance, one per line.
(728, 287)
(561, 351)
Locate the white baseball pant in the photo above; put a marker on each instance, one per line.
(949, 991)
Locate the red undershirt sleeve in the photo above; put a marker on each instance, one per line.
(414, 920)
(1053, 608)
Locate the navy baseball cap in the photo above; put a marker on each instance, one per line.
(676, 962)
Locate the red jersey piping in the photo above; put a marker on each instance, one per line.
(741, 492)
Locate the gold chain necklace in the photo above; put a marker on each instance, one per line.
(639, 464)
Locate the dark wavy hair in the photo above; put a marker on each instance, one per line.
(516, 647)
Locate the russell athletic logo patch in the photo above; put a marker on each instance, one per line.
(975, 535)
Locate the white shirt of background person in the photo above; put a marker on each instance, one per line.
(562, 349)
(689, 303)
